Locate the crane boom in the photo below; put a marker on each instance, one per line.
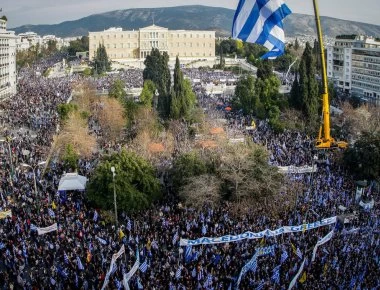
(324, 141)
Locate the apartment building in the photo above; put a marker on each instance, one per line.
(353, 63)
(8, 76)
(137, 44)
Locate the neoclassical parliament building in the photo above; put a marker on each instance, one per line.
(137, 44)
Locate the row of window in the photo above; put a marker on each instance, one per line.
(366, 72)
(366, 78)
(129, 55)
(365, 85)
(155, 44)
(366, 59)
(154, 35)
(365, 65)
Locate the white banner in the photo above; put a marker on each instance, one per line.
(294, 281)
(4, 214)
(297, 170)
(265, 233)
(129, 275)
(325, 239)
(48, 229)
(114, 258)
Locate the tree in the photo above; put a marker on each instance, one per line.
(296, 44)
(246, 173)
(157, 70)
(135, 183)
(101, 62)
(70, 158)
(148, 93)
(245, 96)
(111, 119)
(264, 70)
(186, 166)
(64, 110)
(78, 45)
(182, 95)
(363, 159)
(308, 89)
(201, 190)
(117, 90)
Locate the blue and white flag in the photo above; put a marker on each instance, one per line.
(65, 258)
(178, 273)
(175, 238)
(144, 267)
(284, 256)
(139, 285)
(96, 215)
(102, 241)
(298, 253)
(51, 213)
(276, 275)
(260, 21)
(129, 225)
(261, 285)
(79, 264)
(188, 254)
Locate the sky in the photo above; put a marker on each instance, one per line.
(20, 12)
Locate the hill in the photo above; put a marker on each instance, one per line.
(192, 17)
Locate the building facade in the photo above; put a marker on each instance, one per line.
(137, 44)
(353, 63)
(8, 75)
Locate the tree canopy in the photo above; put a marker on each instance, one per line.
(135, 183)
(101, 62)
(157, 70)
(117, 89)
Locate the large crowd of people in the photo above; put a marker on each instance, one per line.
(78, 254)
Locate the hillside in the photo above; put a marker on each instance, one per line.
(192, 17)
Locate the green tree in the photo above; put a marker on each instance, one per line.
(363, 159)
(147, 93)
(78, 45)
(65, 109)
(264, 69)
(135, 183)
(267, 89)
(296, 44)
(117, 90)
(182, 95)
(308, 89)
(101, 62)
(70, 158)
(245, 96)
(186, 166)
(157, 70)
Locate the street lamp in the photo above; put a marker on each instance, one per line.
(34, 173)
(114, 194)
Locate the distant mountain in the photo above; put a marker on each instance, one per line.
(195, 17)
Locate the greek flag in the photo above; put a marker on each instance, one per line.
(96, 215)
(139, 285)
(178, 273)
(261, 285)
(79, 264)
(260, 21)
(102, 241)
(51, 213)
(129, 225)
(175, 238)
(188, 254)
(33, 227)
(143, 267)
(276, 275)
(284, 256)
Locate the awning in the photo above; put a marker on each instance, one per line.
(72, 181)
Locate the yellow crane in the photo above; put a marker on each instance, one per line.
(324, 140)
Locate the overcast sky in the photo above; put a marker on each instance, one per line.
(20, 12)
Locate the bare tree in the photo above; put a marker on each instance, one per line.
(201, 190)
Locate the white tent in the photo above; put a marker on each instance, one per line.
(72, 181)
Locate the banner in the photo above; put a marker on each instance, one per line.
(133, 270)
(297, 170)
(4, 214)
(294, 281)
(114, 258)
(325, 239)
(262, 234)
(52, 228)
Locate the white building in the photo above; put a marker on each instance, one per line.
(8, 75)
(137, 44)
(353, 63)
